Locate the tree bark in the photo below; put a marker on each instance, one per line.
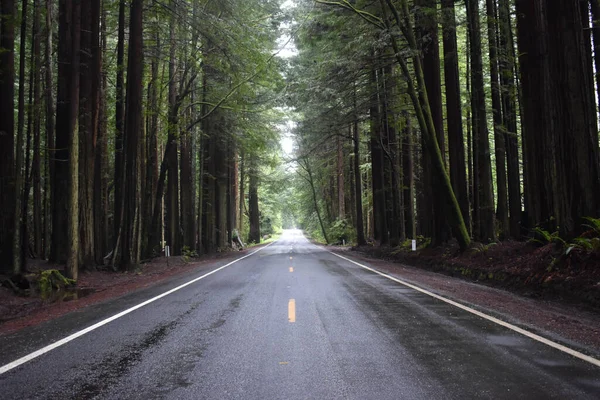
(50, 133)
(172, 225)
(341, 206)
(253, 212)
(456, 147)
(130, 224)
(7, 122)
(98, 135)
(408, 177)
(36, 110)
(86, 140)
(18, 250)
(486, 227)
(574, 116)
(509, 116)
(378, 180)
(360, 232)
(500, 146)
(119, 124)
(427, 24)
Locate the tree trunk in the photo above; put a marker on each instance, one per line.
(500, 146)
(172, 226)
(242, 192)
(341, 206)
(595, 10)
(360, 232)
(7, 122)
(456, 147)
(221, 174)
(18, 251)
(427, 23)
(187, 189)
(37, 111)
(408, 177)
(485, 222)
(537, 139)
(378, 181)
(575, 121)
(67, 130)
(253, 212)
(98, 195)
(119, 124)
(86, 140)
(130, 224)
(50, 133)
(509, 116)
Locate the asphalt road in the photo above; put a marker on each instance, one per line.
(292, 321)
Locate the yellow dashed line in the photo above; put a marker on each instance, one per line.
(292, 310)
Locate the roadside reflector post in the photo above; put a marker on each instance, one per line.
(414, 245)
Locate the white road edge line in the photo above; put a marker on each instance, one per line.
(530, 335)
(50, 347)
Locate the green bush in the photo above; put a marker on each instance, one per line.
(342, 231)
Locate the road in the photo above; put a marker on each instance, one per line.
(292, 321)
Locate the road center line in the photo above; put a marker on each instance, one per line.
(512, 327)
(44, 350)
(292, 310)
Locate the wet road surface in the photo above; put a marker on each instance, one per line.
(292, 321)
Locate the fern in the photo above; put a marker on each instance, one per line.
(593, 224)
(589, 245)
(543, 237)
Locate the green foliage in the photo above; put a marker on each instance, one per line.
(588, 241)
(481, 248)
(342, 231)
(50, 280)
(591, 245)
(187, 254)
(593, 224)
(542, 237)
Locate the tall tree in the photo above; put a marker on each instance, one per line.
(456, 147)
(509, 115)
(484, 221)
(119, 124)
(7, 129)
(86, 138)
(499, 137)
(253, 212)
(18, 250)
(427, 25)
(130, 224)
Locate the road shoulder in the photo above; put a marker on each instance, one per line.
(568, 324)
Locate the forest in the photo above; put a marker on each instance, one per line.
(131, 125)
